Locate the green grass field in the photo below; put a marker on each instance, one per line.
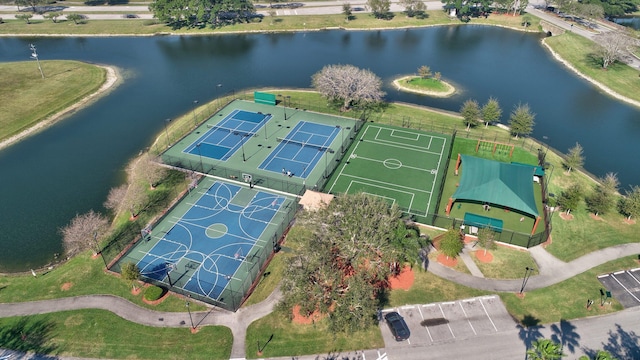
(402, 166)
(27, 98)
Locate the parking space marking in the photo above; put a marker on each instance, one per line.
(444, 317)
(486, 312)
(633, 276)
(627, 289)
(618, 272)
(426, 327)
(467, 316)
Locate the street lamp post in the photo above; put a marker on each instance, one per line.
(168, 270)
(218, 94)
(34, 55)
(200, 154)
(166, 131)
(195, 122)
(527, 274)
(190, 317)
(242, 136)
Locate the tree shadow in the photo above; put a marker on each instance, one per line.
(529, 330)
(29, 335)
(565, 334)
(623, 344)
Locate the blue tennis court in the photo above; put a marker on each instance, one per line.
(203, 249)
(299, 152)
(223, 139)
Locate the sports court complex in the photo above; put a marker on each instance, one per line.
(254, 159)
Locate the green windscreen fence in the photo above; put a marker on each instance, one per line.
(264, 98)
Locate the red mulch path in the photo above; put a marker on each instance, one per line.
(304, 320)
(484, 257)
(136, 291)
(404, 280)
(447, 261)
(565, 216)
(156, 302)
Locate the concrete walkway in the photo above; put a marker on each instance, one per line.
(551, 270)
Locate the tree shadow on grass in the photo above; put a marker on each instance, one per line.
(565, 334)
(621, 344)
(28, 334)
(529, 330)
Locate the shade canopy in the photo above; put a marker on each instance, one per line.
(508, 185)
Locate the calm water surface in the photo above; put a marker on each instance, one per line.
(68, 169)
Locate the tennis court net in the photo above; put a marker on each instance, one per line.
(232, 131)
(300, 143)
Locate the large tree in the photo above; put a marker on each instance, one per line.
(131, 273)
(349, 85)
(521, 120)
(343, 259)
(612, 46)
(413, 7)
(83, 232)
(629, 205)
(452, 243)
(491, 111)
(470, 112)
(380, 8)
(545, 349)
(603, 197)
(574, 158)
(201, 12)
(150, 171)
(569, 199)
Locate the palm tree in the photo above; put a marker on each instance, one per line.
(545, 349)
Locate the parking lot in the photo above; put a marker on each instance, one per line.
(624, 286)
(446, 321)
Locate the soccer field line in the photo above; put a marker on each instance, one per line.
(385, 184)
(401, 166)
(402, 146)
(412, 195)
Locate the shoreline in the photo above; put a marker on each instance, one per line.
(607, 90)
(110, 80)
(450, 89)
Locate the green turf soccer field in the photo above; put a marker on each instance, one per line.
(403, 166)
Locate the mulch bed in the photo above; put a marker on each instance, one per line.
(595, 217)
(482, 256)
(66, 286)
(629, 221)
(404, 280)
(447, 261)
(565, 216)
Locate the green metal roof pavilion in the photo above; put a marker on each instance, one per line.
(499, 183)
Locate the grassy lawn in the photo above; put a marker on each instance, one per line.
(101, 334)
(27, 98)
(428, 288)
(424, 84)
(567, 300)
(505, 261)
(580, 52)
(277, 23)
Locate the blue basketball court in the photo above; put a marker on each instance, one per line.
(223, 139)
(301, 150)
(203, 250)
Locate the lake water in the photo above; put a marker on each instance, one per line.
(48, 178)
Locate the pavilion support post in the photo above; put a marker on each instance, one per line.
(458, 164)
(535, 226)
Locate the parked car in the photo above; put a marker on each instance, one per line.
(398, 327)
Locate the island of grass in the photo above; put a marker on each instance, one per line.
(28, 104)
(425, 86)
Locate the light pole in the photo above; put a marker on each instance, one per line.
(34, 55)
(218, 94)
(241, 144)
(200, 154)
(527, 274)
(168, 269)
(195, 122)
(166, 132)
(190, 317)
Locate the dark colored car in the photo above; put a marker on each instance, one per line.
(398, 327)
